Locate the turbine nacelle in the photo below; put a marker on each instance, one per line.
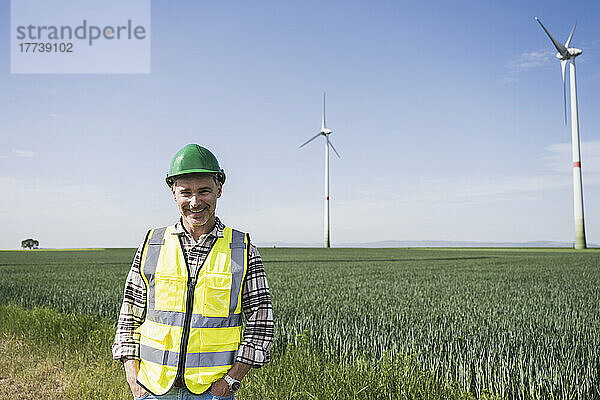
(326, 131)
(572, 53)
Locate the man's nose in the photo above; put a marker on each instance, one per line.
(194, 201)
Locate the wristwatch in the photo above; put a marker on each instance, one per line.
(234, 384)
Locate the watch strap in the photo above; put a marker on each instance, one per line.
(232, 383)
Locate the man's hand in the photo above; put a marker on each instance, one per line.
(131, 370)
(221, 388)
(237, 371)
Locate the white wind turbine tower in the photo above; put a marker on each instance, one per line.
(325, 133)
(566, 54)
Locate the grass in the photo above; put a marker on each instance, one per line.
(74, 362)
(47, 354)
(392, 323)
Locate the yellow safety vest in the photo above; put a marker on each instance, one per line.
(193, 327)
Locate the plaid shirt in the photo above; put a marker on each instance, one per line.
(256, 301)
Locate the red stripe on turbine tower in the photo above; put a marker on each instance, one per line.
(577, 164)
(327, 198)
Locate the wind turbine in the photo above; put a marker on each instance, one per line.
(566, 54)
(325, 132)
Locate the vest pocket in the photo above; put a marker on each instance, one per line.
(169, 293)
(217, 291)
(154, 340)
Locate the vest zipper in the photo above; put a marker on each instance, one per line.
(186, 328)
(189, 304)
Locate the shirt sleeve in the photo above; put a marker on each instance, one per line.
(132, 314)
(258, 310)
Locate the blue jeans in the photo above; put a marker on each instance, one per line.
(184, 394)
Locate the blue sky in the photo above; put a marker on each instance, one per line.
(448, 117)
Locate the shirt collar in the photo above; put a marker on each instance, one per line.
(217, 231)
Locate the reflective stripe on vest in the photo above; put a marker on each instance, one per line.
(192, 360)
(216, 316)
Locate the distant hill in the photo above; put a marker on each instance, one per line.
(429, 243)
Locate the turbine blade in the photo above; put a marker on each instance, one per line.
(563, 66)
(323, 126)
(561, 49)
(568, 42)
(331, 144)
(310, 140)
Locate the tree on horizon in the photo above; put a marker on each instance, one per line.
(30, 244)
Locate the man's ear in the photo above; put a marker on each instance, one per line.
(173, 191)
(219, 190)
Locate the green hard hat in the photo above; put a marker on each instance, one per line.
(192, 159)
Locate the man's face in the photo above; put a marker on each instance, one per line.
(196, 196)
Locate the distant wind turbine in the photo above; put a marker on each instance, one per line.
(325, 133)
(566, 54)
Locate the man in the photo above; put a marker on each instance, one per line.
(180, 325)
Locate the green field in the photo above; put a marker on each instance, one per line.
(350, 323)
